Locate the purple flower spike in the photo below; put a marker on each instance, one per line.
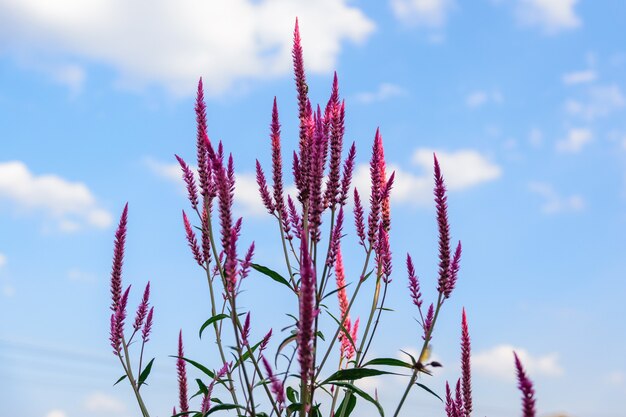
(202, 143)
(206, 236)
(116, 341)
(247, 261)
(428, 321)
(307, 313)
(147, 328)
(117, 323)
(359, 218)
(192, 241)
(245, 333)
(142, 309)
(118, 259)
(277, 387)
(182, 376)
(376, 187)
(348, 169)
(336, 114)
(526, 386)
(296, 221)
(190, 182)
(414, 284)
(383, 253)
(454, 271)
(335, 239)
(265, 341)
(452, 408)
(277, 166)
(263, 190)
(444, 229)
(466, 376)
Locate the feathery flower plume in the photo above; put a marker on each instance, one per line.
(526, 386)
(428, 320)
(277, 167)
(383, 253)
(182, 376)
(147, 328)
(245, 333)
(348, 169)
(202, 143)
(444, 229)
(116, 341)
(247, 261)
(376, 187)
(118, 259)
(353, 334)
(277, 387)
(384, 198)
(342, 295)
(230, 269)
(192, 241)
(316, 176)
(117, 323)
(206, 236)
(414, 284)
(265, 341)
(305, 116)
(466, 375)
(452, 408)
(296, 221)
(263, 190)
(336, 114)
(142, 309)
(359, 222)
(307, 313)
(455, 265)
(459, 398)
(335, 238)
(206, 400)
(190, 181)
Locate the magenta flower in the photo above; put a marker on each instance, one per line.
(466, 376)
(336, 115)
(245, 333)
(147, 328)
(265, 341)
(526, 387)
(307, 313)
(277, 168)
(428, 321)
(376, 187)
(346, 347)
(202, 144)
(142, 309)
(335, 238)
(118, 259)
(414, 285)
(348, 169)
(117, 323)
(444, 229)
(294, 217)
(359, 222)
(263, 190)
(192, 241)
(277, 387)
(182, 376)
(190, 182)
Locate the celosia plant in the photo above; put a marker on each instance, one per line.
(305, 383)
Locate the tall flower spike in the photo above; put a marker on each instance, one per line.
(376, 187)
(414, 284)
(383, 253)
(263, 190)
(452, 408)
(206, 236)
(526, 387)
(428, 322)
(307, 313)
(190, 182)
(444, 229)
(359, 218)
(202, 142)
(277, 165)
(294, 216)
(337, 116)
(346, 179)
(245, 333)
(142, 309)
(316, 176)
(466, 375)
(342, 295)
(304, 114)
(277, 387)
(118, 259)
(192, 241)
(182, 376)
(247, 261)
(335, 239)
(117, 323)
(147, 328)
(454, 271)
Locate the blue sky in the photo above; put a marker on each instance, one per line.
(524, 102)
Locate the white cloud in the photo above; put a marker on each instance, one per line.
(600, 101)
(550, 15)
(498, 362)
(479, 98)
(616, 378)
(103, 403)
(71, 204)
(579, 77)
(384, 92)
(461, 170)
(172, 44)
(3, 260)
(70, 75)
(535, 137)
(56, 413)
(8, 290)
(575, 141)
(425, 13)
(553, 202)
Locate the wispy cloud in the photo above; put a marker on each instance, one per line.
(553, 203)
(56, 413)
(579, 77)
(384, 92)
(535, 137)
(171, 46)
(70, 204)
(423, 13)
(575, 141)
(462, 169)
(498, 363)
(3, 260)
(99, 402)
(551, 16)
(599, 101)
(78, 275)
(479, 98)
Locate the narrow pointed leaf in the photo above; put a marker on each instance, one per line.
(197, 365)
(389, 362)
(120, 379)
(146, 371)
(212, 320)
(351, 403)
(272, 274)
(353, 374)
(429, 390)
(361, 394)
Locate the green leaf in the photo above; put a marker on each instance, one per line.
(221, 407)
(343, 329)
(389, 362)
(351, 403)
(246, 355)
(334, 291)
(429, 390)
(197, 365)
(212, 320)
(120, 380)
(294, 407)
(320, 335)
(354, 373)
(284, 343)
(146, 371)
(361, 394)
(272, 274)
(292, 395)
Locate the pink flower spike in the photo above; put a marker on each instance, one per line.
(277, 387)
(190, 182)
(206, 237)
(307, 313)
(359, 218)
(147, 328)
(202, 142)
(466, 378)
(376, 187)
(265, 341)
(247, 261)
(116, 341)
(454, 271)
(245, 333)
(444, 229)
(428, 322)
(335, 238)
(263, 190)
(182, 376)
(414, 285)
(346, 179)
(294, 216)
(118, 259)
(192, 241)
(142, 309)
(526, 387)
(277, 165)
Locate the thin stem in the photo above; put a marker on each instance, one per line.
(406, 391)
(131, 379)
(380, 310)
